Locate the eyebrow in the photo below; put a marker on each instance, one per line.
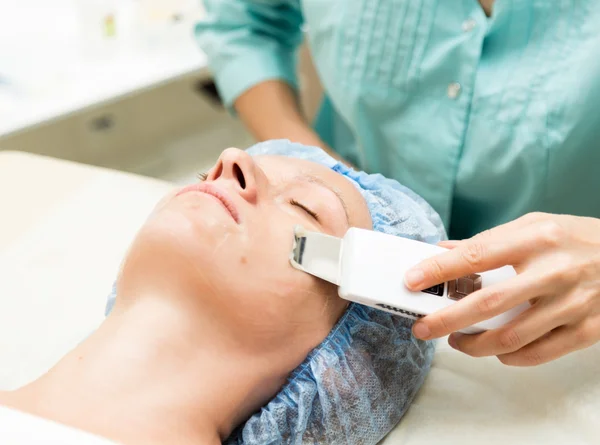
(315, 180)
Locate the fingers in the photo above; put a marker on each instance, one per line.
(499, 231)
(559, 342)
(481, 305)
(487, 251)
(528, 327)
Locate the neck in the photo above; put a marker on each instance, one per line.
(152, 373)
(487, 6)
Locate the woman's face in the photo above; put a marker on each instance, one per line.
(225, 243)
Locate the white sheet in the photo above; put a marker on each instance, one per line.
(17, 428)
(482, 402)
(57, 269)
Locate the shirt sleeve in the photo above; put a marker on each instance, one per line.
(250, 41)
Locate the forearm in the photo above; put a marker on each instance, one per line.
(252, 49)
(270, 110)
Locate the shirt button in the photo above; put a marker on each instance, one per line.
(469, 25)
(454, 90)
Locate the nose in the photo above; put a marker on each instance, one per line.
(239, 169)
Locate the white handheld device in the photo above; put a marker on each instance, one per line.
(369, 269)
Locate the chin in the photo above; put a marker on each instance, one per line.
(186, 224)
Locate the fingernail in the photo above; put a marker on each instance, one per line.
(453, 340)
(414, 277)
(420, 330)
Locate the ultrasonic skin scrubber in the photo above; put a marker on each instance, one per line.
(368, 267)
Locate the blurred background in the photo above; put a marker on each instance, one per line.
(114, 83)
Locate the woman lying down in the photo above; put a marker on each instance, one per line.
(213, 337)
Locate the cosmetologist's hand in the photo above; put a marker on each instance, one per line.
(557, 259)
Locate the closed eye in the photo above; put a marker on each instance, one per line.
(306, 209)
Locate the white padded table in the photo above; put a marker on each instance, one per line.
(64, 228)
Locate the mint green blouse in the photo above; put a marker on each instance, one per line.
(486, 118)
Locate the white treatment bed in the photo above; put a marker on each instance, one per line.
(64, 228)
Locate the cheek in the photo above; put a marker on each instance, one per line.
(281, 306)
(262, 254)
(264, 282)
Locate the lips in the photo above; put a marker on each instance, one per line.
(216, 192)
